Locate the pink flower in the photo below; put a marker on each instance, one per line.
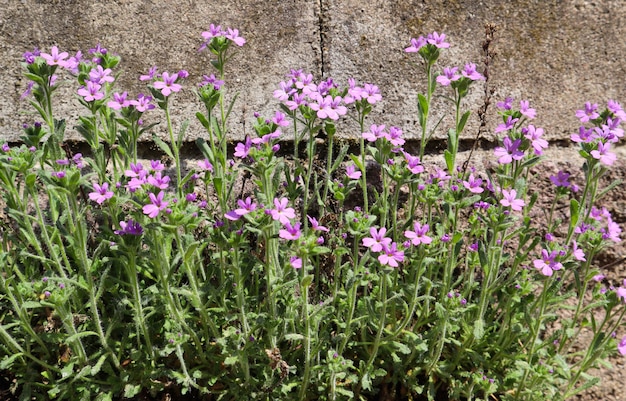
(157, 204)
(547, 263)
(244, 208)
(91, 92)
(418, 236)
(603, 154)
(524, 108)
(295, 262)
(328, 107)
(233, 34)
(589, 112)
(168, 84)
(449, 75)
(290, 232)
(416, 44)
(534, 135)
(205, 165)
(577, 252)
(376, 132)
(315, 225)
(474, 184)
(470, 72)
(55, 58)
(100, 193)
(281, 212)
(352, 173)
(510, 200)
(391, 255)
(119, 101)
(413, 163)
(438, 40)
(509, 152)
(377, 240)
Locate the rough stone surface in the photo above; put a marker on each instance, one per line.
(281, 34)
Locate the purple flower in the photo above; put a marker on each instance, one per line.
(612, 231)
(295, 262)
(578, 253)
(168, 84)
(285, 91)
(584, 135)
(418, 236)
(213, 32)
(91, 92)
(524, 108)
(547, 264)
(416, 44)
(129, 228)
(245, 207)
(100, 75)
(150, 75)
(509, 199)
(156, 165)
(242, 149)
(510, 123)
(561, 179)
(534, 135)
(449, 75)
(280, 119)
(157, 204)
(142, 103)
(119, 101)
(588, 113)
(328, 107)
(29, 89)
(205, 165)
(315, 225)
(377, 240)
(603, 154)
(473, 184)
(281, 212)
(157, 181)
(55, 58)
(615, 108)
(375, 132)
(469, 71)
(395, 136)
(391, 255)
(233, 34)
(100, 193)
(506, 104)
(509, 152)
(438, 40)
(212, 80)
(371, 93)
(290, 232)
(413, 163)
(135, 170)
(352, 173)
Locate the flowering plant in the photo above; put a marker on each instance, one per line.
(281, 276)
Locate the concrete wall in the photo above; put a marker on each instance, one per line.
(557, 54)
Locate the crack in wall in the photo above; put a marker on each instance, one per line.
(323, 18)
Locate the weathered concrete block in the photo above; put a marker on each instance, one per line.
(280, 35)
(557, 54)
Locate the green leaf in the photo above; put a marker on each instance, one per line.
(479, 329)
(422, 108)
(231, 360)
(164, 146)
(131, 390)
(294, 337)
(462, 122)
(76, 336)
(202, 118)
(449, 159)
(96, 368)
